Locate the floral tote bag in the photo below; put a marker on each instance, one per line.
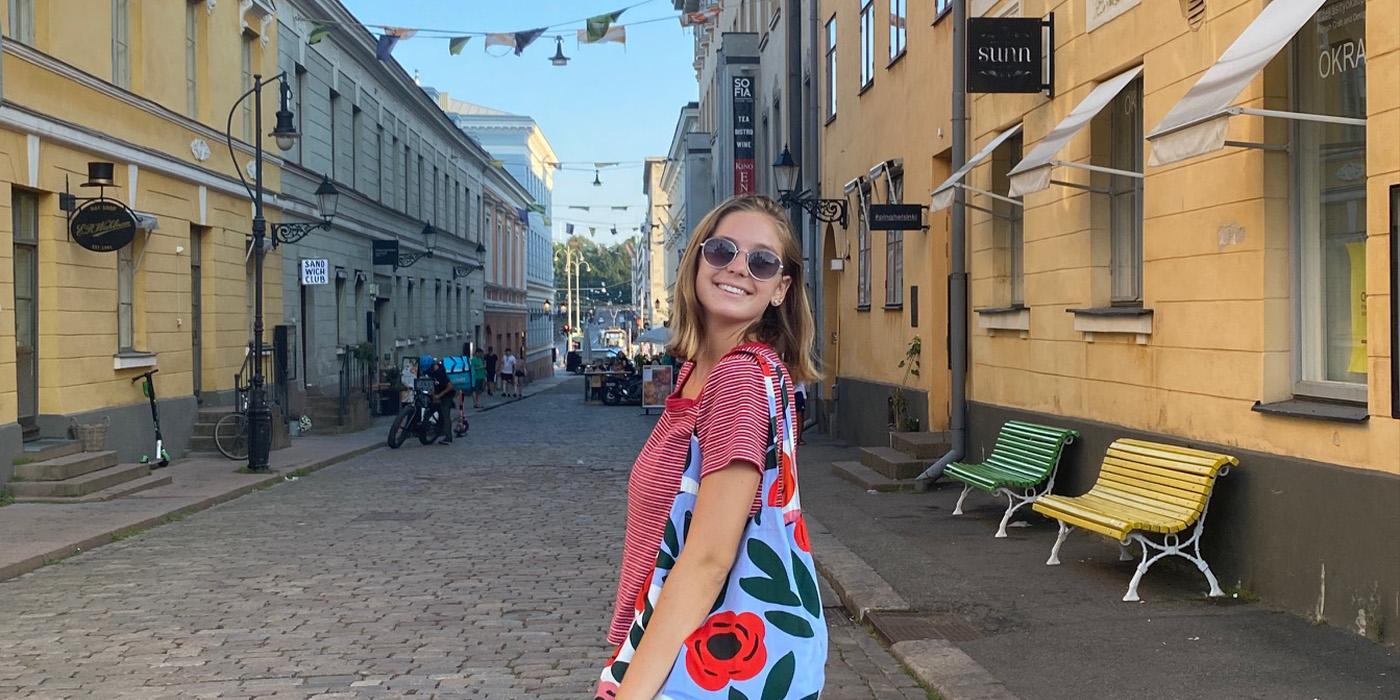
(765, 638)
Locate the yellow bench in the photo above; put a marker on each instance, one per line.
(1144, 488)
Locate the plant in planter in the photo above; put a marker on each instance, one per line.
(899, 403)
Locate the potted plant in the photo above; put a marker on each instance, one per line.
(900, 420)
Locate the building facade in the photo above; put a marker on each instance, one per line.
(406, 174)
(77, 326)
(649, 270)
(687, 190)
(507, 290)
(519, 146)
(1169, 265)
(882, 92)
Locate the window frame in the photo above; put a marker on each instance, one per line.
(867, 44)
(245, 58)
(831, 81)
(894, 244)
(941, 8)
(1126, 197)
(21, 24)
(192, 10)
(121, 44)
(126, 299)
(899, 32)
(863, 247)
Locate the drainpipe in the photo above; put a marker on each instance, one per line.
(957, 251)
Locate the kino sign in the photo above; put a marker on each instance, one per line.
(1004, 54)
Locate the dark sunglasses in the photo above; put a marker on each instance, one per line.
(764, 264)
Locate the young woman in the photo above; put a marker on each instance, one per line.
(740, 305)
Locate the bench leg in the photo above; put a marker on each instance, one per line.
(1124, 553)
(1013, 504)
(957, 510)
(1173, 546)
(1054, 559)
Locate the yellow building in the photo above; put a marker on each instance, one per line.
(887, 138)
(1201, 254)
(146, 86)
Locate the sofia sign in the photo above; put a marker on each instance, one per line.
(1006, 54)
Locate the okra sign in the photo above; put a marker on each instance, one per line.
(103, 225)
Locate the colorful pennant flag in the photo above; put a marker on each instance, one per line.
(500, 39)
(523, 215)
(456, 44)
(400, 32)
(702, 17)
(597, 27)
(318, 33)
(536, 207)
(616, 35)
(384, 49)
(527, 37)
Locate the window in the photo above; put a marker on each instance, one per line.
(1125, 195)
(246, 61)
(899, 33)
(1329, 175)
(418, 183)
(379, 163)
(940, 8)
(355, 148)
(192, 10)
(831, 68)
(121, 43)
(894, 244)
(867, 43)
(126, 282)
(391, 178)
(335, 134)
(1007, 223)
(863, 249)
(22, 21)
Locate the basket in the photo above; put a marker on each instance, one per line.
(93, 436)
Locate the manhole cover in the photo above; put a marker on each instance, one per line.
(903, 627)
(391, 516)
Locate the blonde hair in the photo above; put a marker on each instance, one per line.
(787, 328)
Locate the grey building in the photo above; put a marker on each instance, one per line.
(406, 174)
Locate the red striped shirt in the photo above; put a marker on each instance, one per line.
(730, 418)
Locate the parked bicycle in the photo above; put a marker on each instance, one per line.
(231, 432)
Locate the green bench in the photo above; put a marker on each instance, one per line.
(1025, 456)
(1144, 489)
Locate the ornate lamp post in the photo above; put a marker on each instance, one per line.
(824, 210)
(429, 238)
(285, 134)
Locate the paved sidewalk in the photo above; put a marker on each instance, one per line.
(35, 534)
(995, 614)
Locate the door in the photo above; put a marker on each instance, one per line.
(25, 211)
(196, 310)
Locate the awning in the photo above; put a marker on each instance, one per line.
(1199, 122)
(944, 194)
(1032, 174)
(146, 222)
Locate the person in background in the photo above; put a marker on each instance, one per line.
(521, 376)
(508, 385)
(478, 376)
(800, 403)
(407, 378)
(492, 360)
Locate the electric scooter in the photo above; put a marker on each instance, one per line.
(149, 389)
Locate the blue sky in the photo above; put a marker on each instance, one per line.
(609, 104)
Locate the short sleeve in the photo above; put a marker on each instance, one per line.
(732, 419)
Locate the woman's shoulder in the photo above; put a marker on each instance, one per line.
(745, 365)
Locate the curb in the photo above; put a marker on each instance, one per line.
(273, 478)
(517, 399)
(936, 663)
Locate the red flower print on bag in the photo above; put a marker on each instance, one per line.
(799, 535)
(785, 485)
(606, 690)
(728, 647)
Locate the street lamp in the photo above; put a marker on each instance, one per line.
(284, 133)
(824, 210)
(327, 201)
(429, 238)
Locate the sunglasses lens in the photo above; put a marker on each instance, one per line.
(719, 252)
(764, 264)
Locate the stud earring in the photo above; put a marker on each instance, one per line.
(777, 302)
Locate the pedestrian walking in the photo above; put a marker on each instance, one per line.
(716, 560)
(478, 376)
(508, 385)
(491, 361)
(799, 396)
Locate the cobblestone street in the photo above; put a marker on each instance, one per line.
(481, 570)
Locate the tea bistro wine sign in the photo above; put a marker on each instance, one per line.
(103, 225)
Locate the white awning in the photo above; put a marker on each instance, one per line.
(1032, 174)
(146, 222)
(1198, 123)
(943, 195)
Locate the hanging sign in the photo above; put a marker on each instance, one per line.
(1007, 54)
(896, 217)
(315, 271)
(743, 135)
(385, 253)
(657, 384)
(103, 225)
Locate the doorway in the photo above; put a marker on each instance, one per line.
(197, 310)
(25, 214)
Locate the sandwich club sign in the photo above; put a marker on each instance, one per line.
(103, 225)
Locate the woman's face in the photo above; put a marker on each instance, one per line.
(730, 295)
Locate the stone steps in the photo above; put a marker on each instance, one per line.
(81, 485)
(891, 463)
(45, 449)
(65, 467)
(925, 446)
(123, 489)
(869, 479)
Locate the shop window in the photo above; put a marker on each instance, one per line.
(899, 31)
(1329, 176)
(121, 44)
(192, 10)
(867, 43)
(1125, 195)
(894, 245)
(126, 296)
(22, 21)
(831, 68)
(1008, 223)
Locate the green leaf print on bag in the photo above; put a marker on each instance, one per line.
(780, 678)
(806, 587)
(775, 588)
(736, 695)
(790, 623)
